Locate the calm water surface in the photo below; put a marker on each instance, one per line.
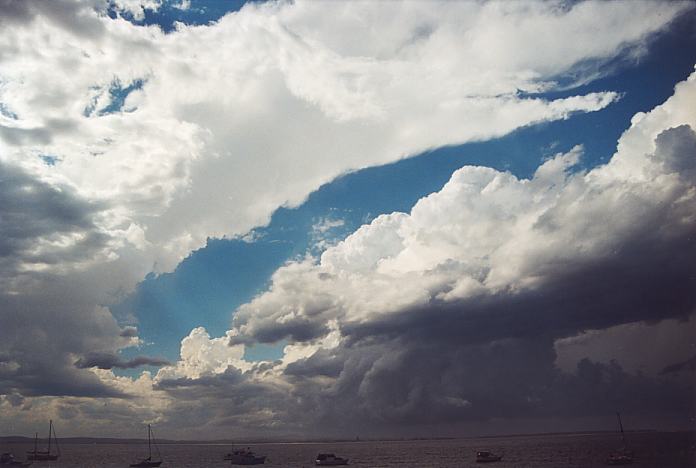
(658, 450)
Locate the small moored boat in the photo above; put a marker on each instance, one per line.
(329, 459)
(244, 457)
(8, 459)
(45, 455)
(623, 456)
(618, 458)
(149, 462)
(487, 457)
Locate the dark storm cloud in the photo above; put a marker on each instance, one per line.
(40, 376)
(433, 384)
(230, 376)
(236, 402)
(685, 366)
(393, 387)
(298, 329)
(111, 361)
(39, 348)
(647, 279)
(40, 225)
(320, 363)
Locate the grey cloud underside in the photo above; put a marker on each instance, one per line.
(32, 211)
(71, 15)
(38, 349)
(395, 387)
(49, 225)
(35, 377)
(111, 361)
(129, 332)
(648, 279)
(38, 332)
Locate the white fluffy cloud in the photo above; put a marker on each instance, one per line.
(201, 355)
(255, 111)
(488, 233)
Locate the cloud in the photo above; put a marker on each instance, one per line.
(45, 225)
(76, 17)
(201, 355)
(217, 138)
(565, 248)
(450, 313)
(398, 387)
(136, 8)
(129, 332)
(178, 165)
(111, 361)
(685, 366)
(671, 343)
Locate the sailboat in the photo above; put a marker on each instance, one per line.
(148, 462)
(45, 455)
(622, 456)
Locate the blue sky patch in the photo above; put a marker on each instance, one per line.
(117, 97)
(196, 12)
(49, 160)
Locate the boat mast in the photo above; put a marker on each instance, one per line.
(149, 443)
(623, 437)
(50, 430)
(36, 443)
(55, 437)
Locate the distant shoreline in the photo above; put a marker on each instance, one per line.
(126, 441)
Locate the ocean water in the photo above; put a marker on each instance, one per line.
(653, 449)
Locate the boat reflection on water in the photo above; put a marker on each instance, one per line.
(329, 459)
(484, 456)
(619, 458)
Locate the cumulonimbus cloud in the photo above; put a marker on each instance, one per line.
(433, 316)
(149, 143)
(490, 240)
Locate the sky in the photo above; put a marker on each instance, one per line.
(327, 219)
